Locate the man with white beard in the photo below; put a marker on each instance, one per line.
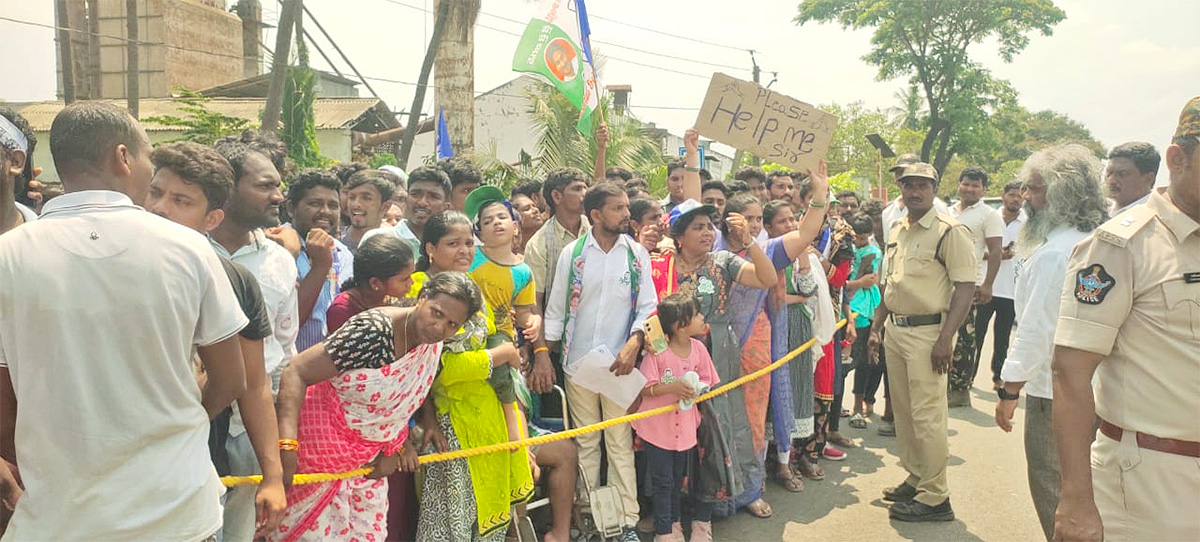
(1064, 202)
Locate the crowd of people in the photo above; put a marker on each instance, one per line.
(181, 313)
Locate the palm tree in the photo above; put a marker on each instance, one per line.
(454, 76)
(561, 145)
(911, 111)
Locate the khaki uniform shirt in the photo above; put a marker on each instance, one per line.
(543, 249)
(917, 283)
(1126, 297)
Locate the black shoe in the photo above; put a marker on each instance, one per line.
(901, 493)
(919, 511)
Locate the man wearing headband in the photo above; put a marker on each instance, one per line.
(16, 168)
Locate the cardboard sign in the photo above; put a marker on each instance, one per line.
(763, 122)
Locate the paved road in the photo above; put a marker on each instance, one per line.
(990, 493)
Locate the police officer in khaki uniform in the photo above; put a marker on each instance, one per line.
(1130, 314)
(927, 291)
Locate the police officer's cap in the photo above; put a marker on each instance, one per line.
(1189, 121)
(919, 170)
(903, 161)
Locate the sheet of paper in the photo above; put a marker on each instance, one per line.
(591, 372)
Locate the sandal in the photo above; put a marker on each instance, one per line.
(791, 481)
(760, 509)
(842, 441)
(811, 471)
(857, 421)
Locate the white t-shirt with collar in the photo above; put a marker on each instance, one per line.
(111, 436)
(26, 212)
(984, 223)
(1006, 281)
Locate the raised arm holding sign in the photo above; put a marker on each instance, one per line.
(775, 127)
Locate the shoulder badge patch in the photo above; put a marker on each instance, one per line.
(1092, 283)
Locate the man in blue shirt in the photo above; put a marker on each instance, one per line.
(324, 263)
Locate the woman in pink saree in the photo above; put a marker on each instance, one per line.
(347, 402)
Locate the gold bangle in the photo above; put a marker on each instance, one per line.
(289, 444)
(541, 349)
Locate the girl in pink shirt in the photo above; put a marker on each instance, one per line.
(670, 439)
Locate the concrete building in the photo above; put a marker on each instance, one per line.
(192, 44)
(504, 126)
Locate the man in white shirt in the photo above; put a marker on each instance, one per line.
(1129, 177)
(17, 142)
(1002, 290)
(987, 230)
(1063, 199)
(324, 263)
(428, 195)
(106, 420)
(257, 159)
(616, 295)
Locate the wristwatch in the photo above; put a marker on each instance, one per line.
(1005, 396)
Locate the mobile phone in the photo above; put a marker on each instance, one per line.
(654, 334)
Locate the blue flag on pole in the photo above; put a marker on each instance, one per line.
(444, 150)
(585, 31)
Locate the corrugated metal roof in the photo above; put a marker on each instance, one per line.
(257, 86)
(328, 113)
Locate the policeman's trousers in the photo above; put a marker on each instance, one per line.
(919, 407)
(1145, 494)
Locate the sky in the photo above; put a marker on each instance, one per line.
(1122, 69)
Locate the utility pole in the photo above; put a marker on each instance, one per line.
(757, 75)
(410, 133)
(279, 64)
(64, 51)
(93, 63)
(132, 68)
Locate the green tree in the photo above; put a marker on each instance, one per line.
(199, 123)
(299, 128)
(850, 150)
(928, 42)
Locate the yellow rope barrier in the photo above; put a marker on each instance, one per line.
(314, 478)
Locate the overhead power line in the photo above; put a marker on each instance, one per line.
(118, 38)
(610, 57)
(380, 79)
(619, 46)
(676, 36)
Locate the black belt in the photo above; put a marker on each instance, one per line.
(915, 320)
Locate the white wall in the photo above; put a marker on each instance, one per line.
(501, 120)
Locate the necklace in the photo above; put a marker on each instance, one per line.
(686, 266)
(407, 344)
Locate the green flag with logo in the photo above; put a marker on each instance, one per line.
(550, 47)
